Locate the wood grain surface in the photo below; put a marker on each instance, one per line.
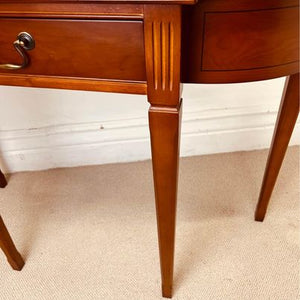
(229, 41)
(110, 2)
(101, 49)
(162, 51)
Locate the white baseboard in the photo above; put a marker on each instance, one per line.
(203, 132)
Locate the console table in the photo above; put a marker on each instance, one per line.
(152, 47)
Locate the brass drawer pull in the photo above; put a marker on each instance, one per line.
(24, 42)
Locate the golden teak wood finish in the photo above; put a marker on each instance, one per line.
(157, 73)
(82, 54)
(240, 41)
(162, 50)
(81, 28)
(287, 117)
(78, 10)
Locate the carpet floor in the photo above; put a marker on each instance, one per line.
(90, 232)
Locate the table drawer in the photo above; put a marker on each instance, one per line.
(250, 39)
(100, 49)
(240, 41)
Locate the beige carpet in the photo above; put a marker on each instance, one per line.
(90, 232)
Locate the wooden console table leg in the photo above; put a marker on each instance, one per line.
(3, 181)
(162, 25)
(6, 244)
(287, 116)
(165, 131)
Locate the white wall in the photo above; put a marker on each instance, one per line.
(47, 128)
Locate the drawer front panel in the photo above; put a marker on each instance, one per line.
(99, 49)
(250, 39)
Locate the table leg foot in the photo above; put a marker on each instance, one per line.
(6, 244)
(167, 291)
(287, 116)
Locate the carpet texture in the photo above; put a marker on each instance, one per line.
(90, 232)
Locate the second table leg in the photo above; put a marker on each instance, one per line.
(287, 116)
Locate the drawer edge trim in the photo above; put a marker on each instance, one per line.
(100, 85)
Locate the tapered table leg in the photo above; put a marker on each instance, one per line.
(162, 29)
(165, 129)
(287, 116)
(3, 181)
(6, 244)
